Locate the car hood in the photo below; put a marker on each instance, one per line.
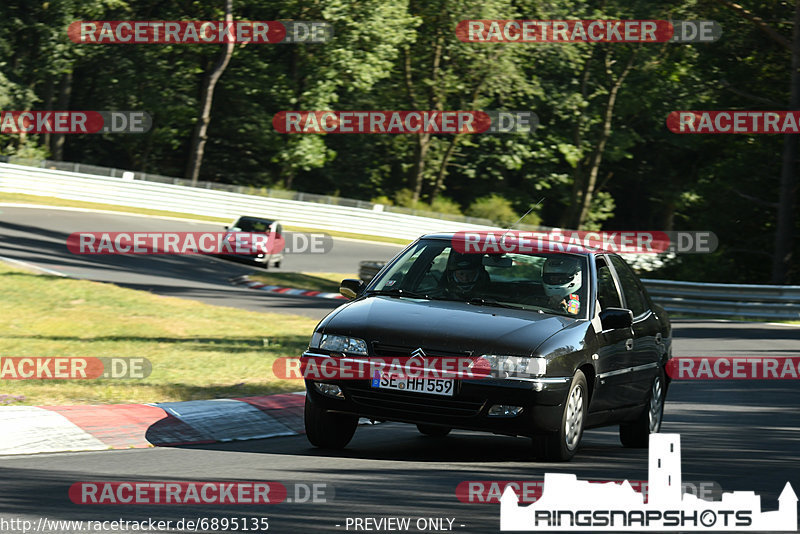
(444, 325)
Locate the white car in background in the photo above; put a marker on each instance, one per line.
(265, 259)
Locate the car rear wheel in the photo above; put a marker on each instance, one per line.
(562, 445)
(433, 430)
(637, 434)
(328, 430)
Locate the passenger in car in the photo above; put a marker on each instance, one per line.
(562, 277)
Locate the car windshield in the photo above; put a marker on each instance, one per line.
(251, 225)
(433, 269)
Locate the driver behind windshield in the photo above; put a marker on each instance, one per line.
(465, 275)
(562, 277)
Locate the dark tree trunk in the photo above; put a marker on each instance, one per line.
(418, 170)
(64, 96)
(597, 159)
(200, 134)
(439, 186)
(784, 230)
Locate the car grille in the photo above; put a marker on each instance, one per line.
(399, 403)
(397, 351)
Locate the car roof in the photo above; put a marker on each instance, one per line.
(448, 236)
(251, 218)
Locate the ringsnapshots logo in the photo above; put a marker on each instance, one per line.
(567, 504)
(588, 31)
(74, 122)
(405, 122)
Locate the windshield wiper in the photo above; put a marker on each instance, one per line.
(477, 301)
(398, 293)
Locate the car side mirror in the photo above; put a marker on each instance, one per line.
(616, 318)
(351, 287)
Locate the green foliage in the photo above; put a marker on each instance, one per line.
(495, 208)
(445, 205)
(405, 55)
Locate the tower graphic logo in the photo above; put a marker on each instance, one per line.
(569, 504)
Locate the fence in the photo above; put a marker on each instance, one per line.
(96, 170)
(726, 300)
(224, 204)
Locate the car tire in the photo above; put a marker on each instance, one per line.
(433, 430)
(328, 430)
(637, 434)
(561, 446)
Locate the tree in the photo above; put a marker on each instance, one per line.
(200, 137)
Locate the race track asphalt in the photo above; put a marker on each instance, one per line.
(739, 435)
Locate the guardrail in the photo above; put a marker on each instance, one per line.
(696, 298)
(285, 194)
(223, 204)
(726, 300)
(719, 300)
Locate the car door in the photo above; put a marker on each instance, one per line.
(613, 361)
(645, 351)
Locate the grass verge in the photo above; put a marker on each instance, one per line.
(52, 201)
(314, 281)
(197, 351)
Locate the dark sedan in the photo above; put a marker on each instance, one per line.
(573, 341)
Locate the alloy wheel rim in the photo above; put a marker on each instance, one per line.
(574, 420)
(656, 406)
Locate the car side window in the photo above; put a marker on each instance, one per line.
(607, 294)
(630, 287)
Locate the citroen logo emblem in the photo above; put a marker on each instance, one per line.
(418, 353)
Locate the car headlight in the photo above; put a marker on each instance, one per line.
(515, 366)
(333, 343)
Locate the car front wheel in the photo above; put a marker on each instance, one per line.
(562, 445)
(637, 434)
(328, 430)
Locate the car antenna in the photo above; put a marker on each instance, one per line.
(520, 219)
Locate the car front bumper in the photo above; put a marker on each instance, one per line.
(542, 402)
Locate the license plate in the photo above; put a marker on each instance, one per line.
(434, 386)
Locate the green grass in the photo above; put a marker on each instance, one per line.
(197, 351)
(314, 281)
(52, 201)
